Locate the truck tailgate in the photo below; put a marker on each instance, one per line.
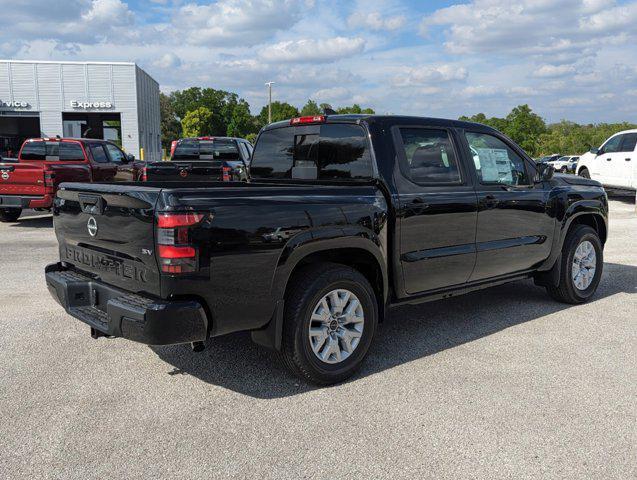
(21, 179)
(107, 231)
(185, 171)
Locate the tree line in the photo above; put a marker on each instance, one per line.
(538, 138)
(196, 112)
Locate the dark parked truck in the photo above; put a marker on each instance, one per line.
(345, 217)
(222, 159)
(44, 163)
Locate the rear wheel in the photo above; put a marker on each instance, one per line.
(584, 173)
(581, 269)
(330, 320)
(9, 214)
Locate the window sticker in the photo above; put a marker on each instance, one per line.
(495, 165)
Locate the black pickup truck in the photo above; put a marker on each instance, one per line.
(345, 216)
(199, 159)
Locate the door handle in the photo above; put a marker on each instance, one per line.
(608, 159)
(627, 159)
(490, 201)
(417, 205)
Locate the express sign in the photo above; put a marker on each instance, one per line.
(89, 105)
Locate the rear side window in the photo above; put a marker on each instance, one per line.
(323, 152)
(629, 142)
(206, 150)
(430, 156)
(99, 155)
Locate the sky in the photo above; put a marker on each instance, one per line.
(568, 59)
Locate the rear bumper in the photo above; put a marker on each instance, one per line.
(118, 313)
(26, 201)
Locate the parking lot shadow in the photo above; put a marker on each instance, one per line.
(41, 221)
(409, 333)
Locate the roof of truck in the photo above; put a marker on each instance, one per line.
(387, 119)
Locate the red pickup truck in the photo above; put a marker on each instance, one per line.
(44, 163)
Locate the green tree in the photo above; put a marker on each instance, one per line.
(198, 122)
(280, 111)
(310, 108)
(356, 109)
(219, 102)
(170, 126)
(524, 127)
(241, 121)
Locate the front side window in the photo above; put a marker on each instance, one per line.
(495, 161)
(99, 155)
(613, 144)
(117, 156)
(430, 155)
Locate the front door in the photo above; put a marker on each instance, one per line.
(437, 210)
(515, 227)
(125, 169)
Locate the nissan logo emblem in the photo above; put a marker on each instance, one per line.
(5, 175)
(91, 226)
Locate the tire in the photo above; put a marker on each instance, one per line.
(563, 170)
(568, 291)
(309, 287)
(9, 214)
(584, 173)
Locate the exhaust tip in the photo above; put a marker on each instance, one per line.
(198, 346)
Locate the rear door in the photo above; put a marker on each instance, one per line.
(515, 228)
(108, 232)
(437, 208)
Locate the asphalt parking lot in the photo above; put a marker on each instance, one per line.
(503, 383)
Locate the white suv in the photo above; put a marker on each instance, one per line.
(614, 164)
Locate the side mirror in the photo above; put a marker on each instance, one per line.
(130, 157)
(545, 172)
(595, 150)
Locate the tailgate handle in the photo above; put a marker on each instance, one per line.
(91, 204)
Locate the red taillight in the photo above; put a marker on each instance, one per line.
(173, 145)
(310, 119)
(144, 176)
(225, 174)
(49, 178)
(175, 251)
(172, 220)
(167, 251)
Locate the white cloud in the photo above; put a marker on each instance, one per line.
(375, 21)
(227, 22)
(551, 71)
(312, 50)
(429, 74)
(331, 94)
(168, 60)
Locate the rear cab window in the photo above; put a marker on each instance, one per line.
(330, 151)
(52, 151)
(206, 150)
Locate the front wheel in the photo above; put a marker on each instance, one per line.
(584, 173)
(330, 320)
(9, 214)
(581, 268)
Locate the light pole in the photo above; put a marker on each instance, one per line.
(269, 84)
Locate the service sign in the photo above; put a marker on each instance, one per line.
(14, 104)
(90, 105)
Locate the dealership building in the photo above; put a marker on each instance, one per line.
(113, 101)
